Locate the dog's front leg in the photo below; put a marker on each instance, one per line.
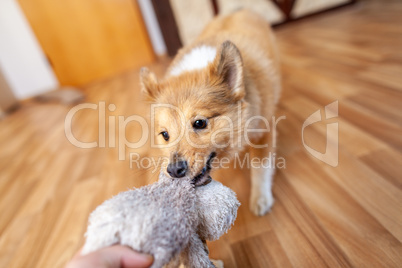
(262, 173)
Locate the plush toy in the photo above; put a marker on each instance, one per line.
(170, 219)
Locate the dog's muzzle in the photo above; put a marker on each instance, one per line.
(203, 178)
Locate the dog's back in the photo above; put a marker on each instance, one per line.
(256, 42)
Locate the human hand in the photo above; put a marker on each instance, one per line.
(111, 257)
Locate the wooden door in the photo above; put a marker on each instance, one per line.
(87, 40)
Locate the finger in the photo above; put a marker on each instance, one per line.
(78, 253)
(121, 256)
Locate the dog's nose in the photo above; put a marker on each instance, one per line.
(177, 169)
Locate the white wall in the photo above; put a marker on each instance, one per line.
(152, 25)
(22, 60)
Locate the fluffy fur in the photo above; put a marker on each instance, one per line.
(244, 76)
(198, 58)
(170, 219)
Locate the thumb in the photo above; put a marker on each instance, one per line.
(124, 257)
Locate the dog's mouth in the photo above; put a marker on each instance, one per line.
(203, 178)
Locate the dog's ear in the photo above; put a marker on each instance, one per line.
(149, 84)
(228, 65)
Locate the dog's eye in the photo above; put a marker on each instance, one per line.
(200, 124)
(165, 135)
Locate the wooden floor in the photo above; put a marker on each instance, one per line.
(344, 216)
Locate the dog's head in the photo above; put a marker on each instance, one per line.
(198, 114)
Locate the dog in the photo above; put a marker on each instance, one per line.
(216, 99)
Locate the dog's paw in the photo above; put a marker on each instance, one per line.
(260, 204)
(217, 263)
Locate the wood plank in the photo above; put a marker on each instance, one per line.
(349, 223)
(356, 140)
(263, 250)
(387, 163)
(309, 226)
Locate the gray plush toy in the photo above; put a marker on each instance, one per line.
(170, 219)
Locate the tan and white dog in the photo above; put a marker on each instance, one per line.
(215, 92)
